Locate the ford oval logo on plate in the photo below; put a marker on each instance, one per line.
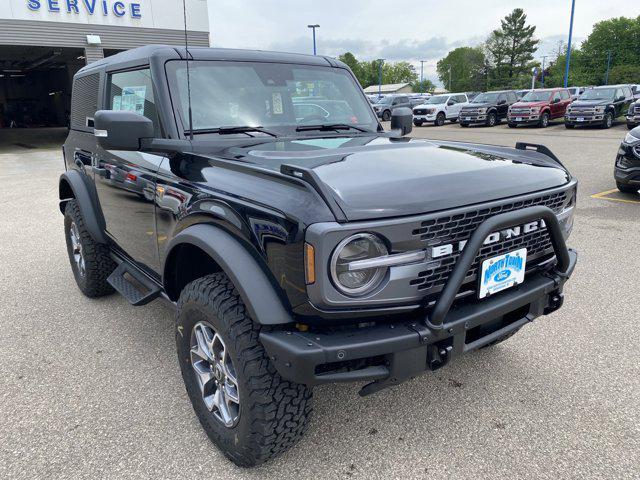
(502, 276)
(501, 272)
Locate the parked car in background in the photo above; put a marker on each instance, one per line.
(521, 93)
(599, 106)
(576, 91)
(439, 108)
(627, 169)
(418, 99)
(472, 95)
(538, 107)
(635, 90)
(633, 115)
(487, 108)
(386, 105)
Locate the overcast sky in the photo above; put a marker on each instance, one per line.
(395, 30)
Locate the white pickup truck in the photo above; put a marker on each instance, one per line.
(439, 108)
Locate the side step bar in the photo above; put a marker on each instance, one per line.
(133, 285)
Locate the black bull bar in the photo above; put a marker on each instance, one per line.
(388, 354)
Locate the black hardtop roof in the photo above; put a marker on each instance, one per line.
(143, 55)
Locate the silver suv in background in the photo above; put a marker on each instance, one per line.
(439, 108)
(386, 105)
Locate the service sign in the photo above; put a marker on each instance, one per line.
(90, 7)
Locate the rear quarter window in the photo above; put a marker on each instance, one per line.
(84, 101)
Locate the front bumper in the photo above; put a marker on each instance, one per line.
(430, 117)
(472, 119)
(633, 120)
(387, 354)
(627, 169)
(583, 119)
(523, 119)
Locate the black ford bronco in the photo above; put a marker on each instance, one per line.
(299, 242)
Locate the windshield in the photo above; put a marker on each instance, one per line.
(598, 94)
(437, 99)
(276, 96)
(489, 97)
(536, 96)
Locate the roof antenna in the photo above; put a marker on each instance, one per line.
(186, 49)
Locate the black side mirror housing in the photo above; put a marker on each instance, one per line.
(556, 100)
(501, 102)
(121, 130)
(451, 102)
(402, 119)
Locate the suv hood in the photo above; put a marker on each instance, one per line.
(378, 176)
(529, 104)
(590, 103)
(479, 105)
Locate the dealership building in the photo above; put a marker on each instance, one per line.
(43, 43)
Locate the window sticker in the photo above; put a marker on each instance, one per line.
(133, 99)
(276, 99)
(117, 103)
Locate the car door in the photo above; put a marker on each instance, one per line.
(460, 101)
(556, 105)
(502, 105)
(125, 181)
(565, 95)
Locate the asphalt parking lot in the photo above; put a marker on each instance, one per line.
(92, 388)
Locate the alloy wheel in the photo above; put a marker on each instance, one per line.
(76, 249)
(215, 374)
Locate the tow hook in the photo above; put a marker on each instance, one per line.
(556, 299)
(437, 356)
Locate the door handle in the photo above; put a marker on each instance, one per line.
(103, 172)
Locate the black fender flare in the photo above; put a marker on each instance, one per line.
(256, 290)
(86, 197)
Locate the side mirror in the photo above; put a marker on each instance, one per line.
(402, 119)
(121, 130)
(501, 102)
(556, 100)
(620, 99)
(451, 102)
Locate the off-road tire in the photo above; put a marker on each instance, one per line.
(464, 125)
(97, 261)
(512, 125)
(454, 119)
(544, 120)
(274, 412)
(418, 123)
(490, 122)
(386, 116)
(501, 339)
(607, 121)
(440, 119)
(630, 127)
(627, 188)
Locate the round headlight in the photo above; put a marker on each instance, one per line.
(353, 278)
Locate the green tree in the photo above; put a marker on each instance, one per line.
(399, 72)
(467, 67)
(367, 73)
(423, 86)
(624, 74)
(511, 48)
(619, 36)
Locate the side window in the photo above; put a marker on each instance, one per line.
(619, 93)
(133, 92)
(395, 102)
(461, 98)
(453, 99)
(564, 94)
(557, 97)
(513, 98)
(502, 98)
(627, 92)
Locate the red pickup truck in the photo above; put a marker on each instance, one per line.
(538, 107)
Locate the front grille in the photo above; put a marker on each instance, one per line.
(451, 229)
(636, 110)
(420, 111)
(583, 111)
(469, 111)
(520, 111)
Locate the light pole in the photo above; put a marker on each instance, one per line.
(380, 62)
(422, 76)
(313, 27)
(606, 76)
(566, 69)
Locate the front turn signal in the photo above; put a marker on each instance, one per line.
(309, 264)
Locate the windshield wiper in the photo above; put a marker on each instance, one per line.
(330, 126)
(232, 130)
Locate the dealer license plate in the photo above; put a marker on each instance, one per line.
(580, 119)
(501, 272)
(518, 119)
(467, 118)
